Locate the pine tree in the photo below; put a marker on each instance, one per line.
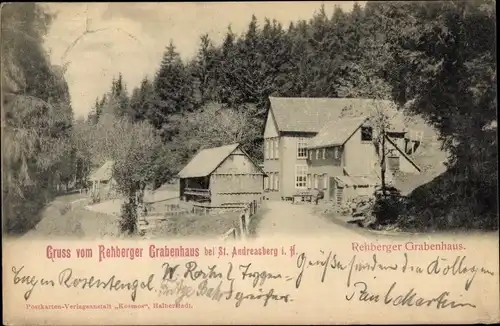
(173, 87)
(204, 69)
(142, 101)
(227, 61)
(96, 112)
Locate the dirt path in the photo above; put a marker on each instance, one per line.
(285, 218)
(68, 218)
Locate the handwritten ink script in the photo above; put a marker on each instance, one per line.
(358, 290)
(359, 280)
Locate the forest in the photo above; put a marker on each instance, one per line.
(434, 59)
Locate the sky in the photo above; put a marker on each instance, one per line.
(131, 37)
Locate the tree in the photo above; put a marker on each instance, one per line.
(214, 125)
(116, 101)
(227, 62)
(445, 69)
(381, 122)
(96, 111)
(139, 159)
(204, 69)
(36, 152)
(83, 157)
(173, 88)
(142, 101)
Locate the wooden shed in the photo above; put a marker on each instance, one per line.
(221, 176)
(103, 183)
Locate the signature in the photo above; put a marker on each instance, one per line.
(408, 298)
(68, 280)
(441, 267)
(174, 284)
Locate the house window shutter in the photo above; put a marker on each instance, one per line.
(276, 148)
(325, 181)
(336, 153)
(266, 149)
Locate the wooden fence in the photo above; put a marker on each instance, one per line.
(164, 210)
(247, 212)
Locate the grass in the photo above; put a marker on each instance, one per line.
(207, 226)
(255, 221)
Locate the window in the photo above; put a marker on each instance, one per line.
(276, 181)
(276, 148)
(266, 148)
(309, 181)
(301, 148)
(316, 181)
(300, 176)
(366, 133)
(317, 154)
(266, 183)
(325, 181)
(271, 181)
(311, 154)
(324, 153)
(336, 153)
(271, 148)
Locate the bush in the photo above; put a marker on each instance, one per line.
(128, 223)
(388, 207)
(451, 201)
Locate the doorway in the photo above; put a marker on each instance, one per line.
(333, 186)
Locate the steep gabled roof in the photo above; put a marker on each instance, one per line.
(104, 173)
(206, 161)
(336, 132)
(301, 114)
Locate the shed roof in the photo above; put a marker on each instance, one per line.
(301, 114)
(336, 132)
(374, 175)
(206, 161)
(104, 173)
(350, 181)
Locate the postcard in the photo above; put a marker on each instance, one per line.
(249, 163)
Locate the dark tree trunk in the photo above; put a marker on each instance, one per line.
(382, 163)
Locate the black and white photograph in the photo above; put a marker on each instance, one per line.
(227, 163)
(163, 120)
